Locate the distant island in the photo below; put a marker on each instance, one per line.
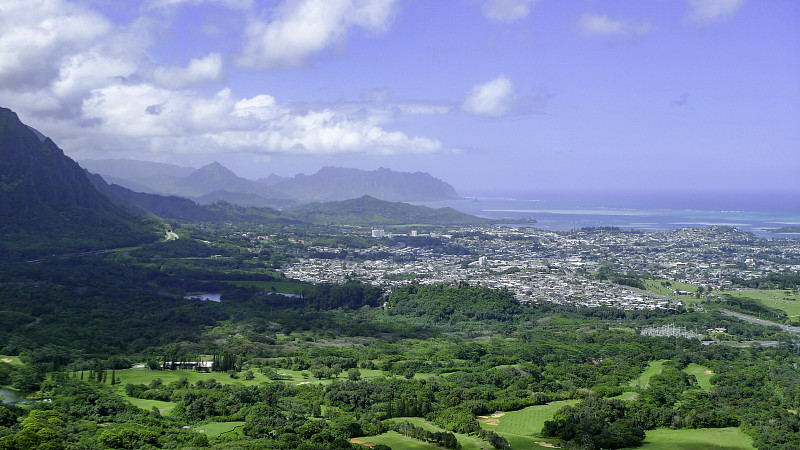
(789, 229)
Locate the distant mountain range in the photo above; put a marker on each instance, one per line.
(334, 183)
(50, 205)
(214, 182)
(47, 203)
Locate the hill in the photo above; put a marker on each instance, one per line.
(335, 183)
(210, 183)
(184, 209)
(48, 204)
(368, 210)
(215, 182)
(133, 169)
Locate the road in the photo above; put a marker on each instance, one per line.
(753, 319)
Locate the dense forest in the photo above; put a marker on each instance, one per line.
(335, 363)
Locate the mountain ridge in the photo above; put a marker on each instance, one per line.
(337, 183)
(48, 204)
(327, 184)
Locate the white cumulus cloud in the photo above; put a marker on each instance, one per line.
(301, 28)
(493, 98)
(198, 72)
(604, 26)
(35, 35)
(707, 11)
(186, 122)
(92, 86)
(507, 10)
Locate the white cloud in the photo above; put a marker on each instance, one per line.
(35, 35)
(507, 10)
(493, 98)
(232, 4)
(91, 86)
(324, 132)
(707, 11)
(186, 122)
(602, 25)
(423, 109)
(300, 28)
(198, 72)
(91, 70)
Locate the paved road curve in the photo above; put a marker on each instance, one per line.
(754, 319)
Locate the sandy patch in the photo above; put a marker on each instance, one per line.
(284, 374)
(547, 444)
(360, 442)
(7, 360)
(708, 372)
(303, 382)
(494, 419)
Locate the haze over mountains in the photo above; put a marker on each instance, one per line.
(49, 205)
(214, 182)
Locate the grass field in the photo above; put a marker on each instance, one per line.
(701, 439)
(625, 396)
(526, 421)
(395, 441)
(656, 287)
(284, 287)
(163, 407)
(467, 442)
(145, 376)
(778, 299)
(10, 359)
(214, 429)
(652, 369)
(702, 373)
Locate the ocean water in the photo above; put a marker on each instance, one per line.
(756, 212)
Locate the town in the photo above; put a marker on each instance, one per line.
(547, 266)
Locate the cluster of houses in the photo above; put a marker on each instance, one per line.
(538, 265)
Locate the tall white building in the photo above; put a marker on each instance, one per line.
(378, 233)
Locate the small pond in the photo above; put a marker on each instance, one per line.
(15, 397)
(205, 296)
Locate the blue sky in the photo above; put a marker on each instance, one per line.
(489, 95)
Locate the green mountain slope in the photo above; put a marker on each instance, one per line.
(368, 210)
(47, 204)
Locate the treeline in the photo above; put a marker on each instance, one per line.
(781, 280)
(672, 399)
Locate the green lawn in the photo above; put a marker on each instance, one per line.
(395, 440)
(702, 373)
(625, 396)
(657, 288)
(526, 421)
(145, 376)
(214, 429)
(467, 442)
(652, 369)
(284, 287)
(10, 359)
(148, 405)
(399, 442)
(778, 299)
(701, 439)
